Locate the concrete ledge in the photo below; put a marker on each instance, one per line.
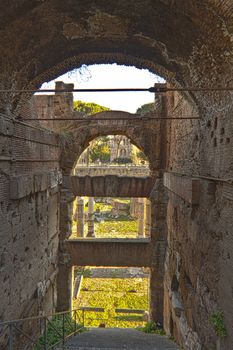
(185, 187)
(24, 185)
(110, 252)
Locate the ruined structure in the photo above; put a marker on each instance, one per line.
(191, 160)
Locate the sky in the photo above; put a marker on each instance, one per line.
(111, 76)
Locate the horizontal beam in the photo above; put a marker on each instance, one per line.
(110, 252)
(109, 186)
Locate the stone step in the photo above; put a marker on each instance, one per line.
(92, 348)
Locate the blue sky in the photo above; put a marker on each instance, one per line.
(111, 76)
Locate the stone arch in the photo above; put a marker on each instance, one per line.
(143, 133)
(67, 34)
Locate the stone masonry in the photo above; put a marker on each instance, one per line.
(187, 42)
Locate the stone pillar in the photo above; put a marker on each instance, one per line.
(91, 232)
(159, 240)
(80, 217)
(64, 287)
(133, 207)
(156, 295)
(64, 277)
(147, 217)
(141, 218)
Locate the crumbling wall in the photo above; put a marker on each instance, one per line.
(29, 211)
(199, 254)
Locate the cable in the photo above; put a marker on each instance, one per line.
(152, 89)
(107, 118)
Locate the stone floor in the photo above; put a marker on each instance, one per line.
(118, 339)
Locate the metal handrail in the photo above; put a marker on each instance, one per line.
(42, 342)
(45, 323)
(37, 317)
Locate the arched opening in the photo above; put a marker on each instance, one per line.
(42, 40)
(111, 216)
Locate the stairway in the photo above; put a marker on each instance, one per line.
(118, 339)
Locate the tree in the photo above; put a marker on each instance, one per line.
(99, 150)
(148, 107)
(89, 108)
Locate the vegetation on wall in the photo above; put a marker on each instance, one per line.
(217, 321)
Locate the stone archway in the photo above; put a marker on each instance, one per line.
(100, 32)
(145, 134)
(189, 43)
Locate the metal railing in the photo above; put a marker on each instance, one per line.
(40, 332)
(48, 332)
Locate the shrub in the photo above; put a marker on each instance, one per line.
(217, 321)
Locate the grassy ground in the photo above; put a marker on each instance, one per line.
(122, 227)
(110, 294)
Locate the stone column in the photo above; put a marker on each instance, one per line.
(156, 295)
(64, 287)
(91, 232)
(80, 217)
(147, 217)
(64, 277)
(141, 218)
(159, 240)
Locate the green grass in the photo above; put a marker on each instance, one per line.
(55, 330)
(151, 327)
(118, 228)
(122, 227)
(111, 294)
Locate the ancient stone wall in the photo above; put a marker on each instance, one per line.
(41, 40)
(198, 260)
(29, 211)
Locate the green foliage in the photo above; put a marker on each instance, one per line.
(89, 108)
(151, 327)
(102, 207)
(110, 294)
(100, 151)
(55, 329)
(145, 108)
(217, 321)
(122, 160)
